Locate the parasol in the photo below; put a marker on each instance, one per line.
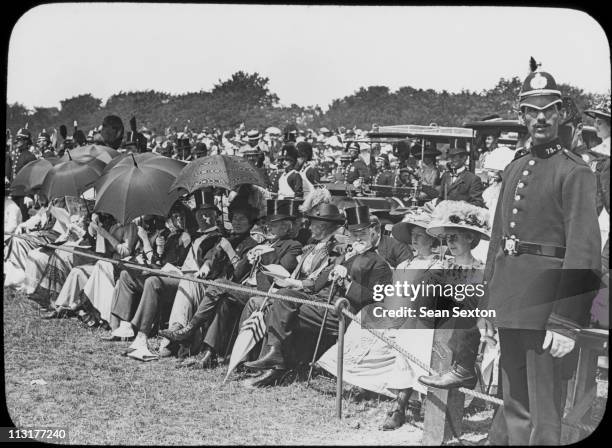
(72, 177)
(101, 152)
(138, 185)
(253, 330)
(217, 171)
(31, 176)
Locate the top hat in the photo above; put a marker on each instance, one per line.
(294, 208)
(279, 210)
(326, 212)
(358, 218)
(539, 91)
(205, 200)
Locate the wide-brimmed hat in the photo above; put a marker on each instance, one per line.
(279, 210)
(326, 212)
(456, 150)
(453, 215)
(358, 218)
(539, 91)
(429, 151)
(601, 110)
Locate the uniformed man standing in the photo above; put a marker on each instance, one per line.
(544, 245)
(21, 157)
(358, 168)
(384, 174)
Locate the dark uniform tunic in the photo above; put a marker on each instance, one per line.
(547, 198)
(357, 169)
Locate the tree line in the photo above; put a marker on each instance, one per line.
(246, 98)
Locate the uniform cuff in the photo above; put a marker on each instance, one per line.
(562, 325)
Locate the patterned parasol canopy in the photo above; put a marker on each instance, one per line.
(219, 171)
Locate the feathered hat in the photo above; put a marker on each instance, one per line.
(318, 195)
(452, 215)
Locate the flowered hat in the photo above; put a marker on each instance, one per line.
(449, 215)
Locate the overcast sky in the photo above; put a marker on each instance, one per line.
(312, 54)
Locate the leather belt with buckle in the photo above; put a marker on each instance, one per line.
(513, 246)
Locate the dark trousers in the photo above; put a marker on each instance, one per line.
(217, 313)
(286, 318)
(140, 299)
(534, 388)
(464, 344)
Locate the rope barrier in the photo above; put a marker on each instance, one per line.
(255, 292)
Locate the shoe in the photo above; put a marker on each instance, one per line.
(272, 359)
(268, 377)
(394, 420)
(456, 377)
(124, 333)
(55, 314)
(165, 352)
(179, 335)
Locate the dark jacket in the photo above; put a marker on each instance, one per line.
(358, 169)
(467, 187)
(285, 253)
(365, 271)
(394, 251)
(547, 197)
(384, 177)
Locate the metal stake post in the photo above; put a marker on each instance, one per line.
(340, 305)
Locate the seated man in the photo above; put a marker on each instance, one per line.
(247, 272)
(172, 246)
(325, 219)
(157, 291)
(355, 276)
(392, 250)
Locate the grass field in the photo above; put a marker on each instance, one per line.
(105, 398)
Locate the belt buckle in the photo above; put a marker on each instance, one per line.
(510, 246)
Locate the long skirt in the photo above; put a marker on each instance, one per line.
(371, 364)
(70, 294)
(16, 254)
(99, 288)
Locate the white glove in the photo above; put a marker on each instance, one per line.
(289, 283)
(254, 255)
(204, 270)
(559, 345)
(338, 272)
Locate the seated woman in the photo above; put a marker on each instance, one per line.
(462, 226)
(42, 262)
(114, 240)
(369, 363)
(40, 229)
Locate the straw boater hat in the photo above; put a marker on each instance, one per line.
(253, 134)
(452, 215)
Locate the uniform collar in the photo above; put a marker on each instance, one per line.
(546, 150)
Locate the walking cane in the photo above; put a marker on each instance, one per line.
(332, 292)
